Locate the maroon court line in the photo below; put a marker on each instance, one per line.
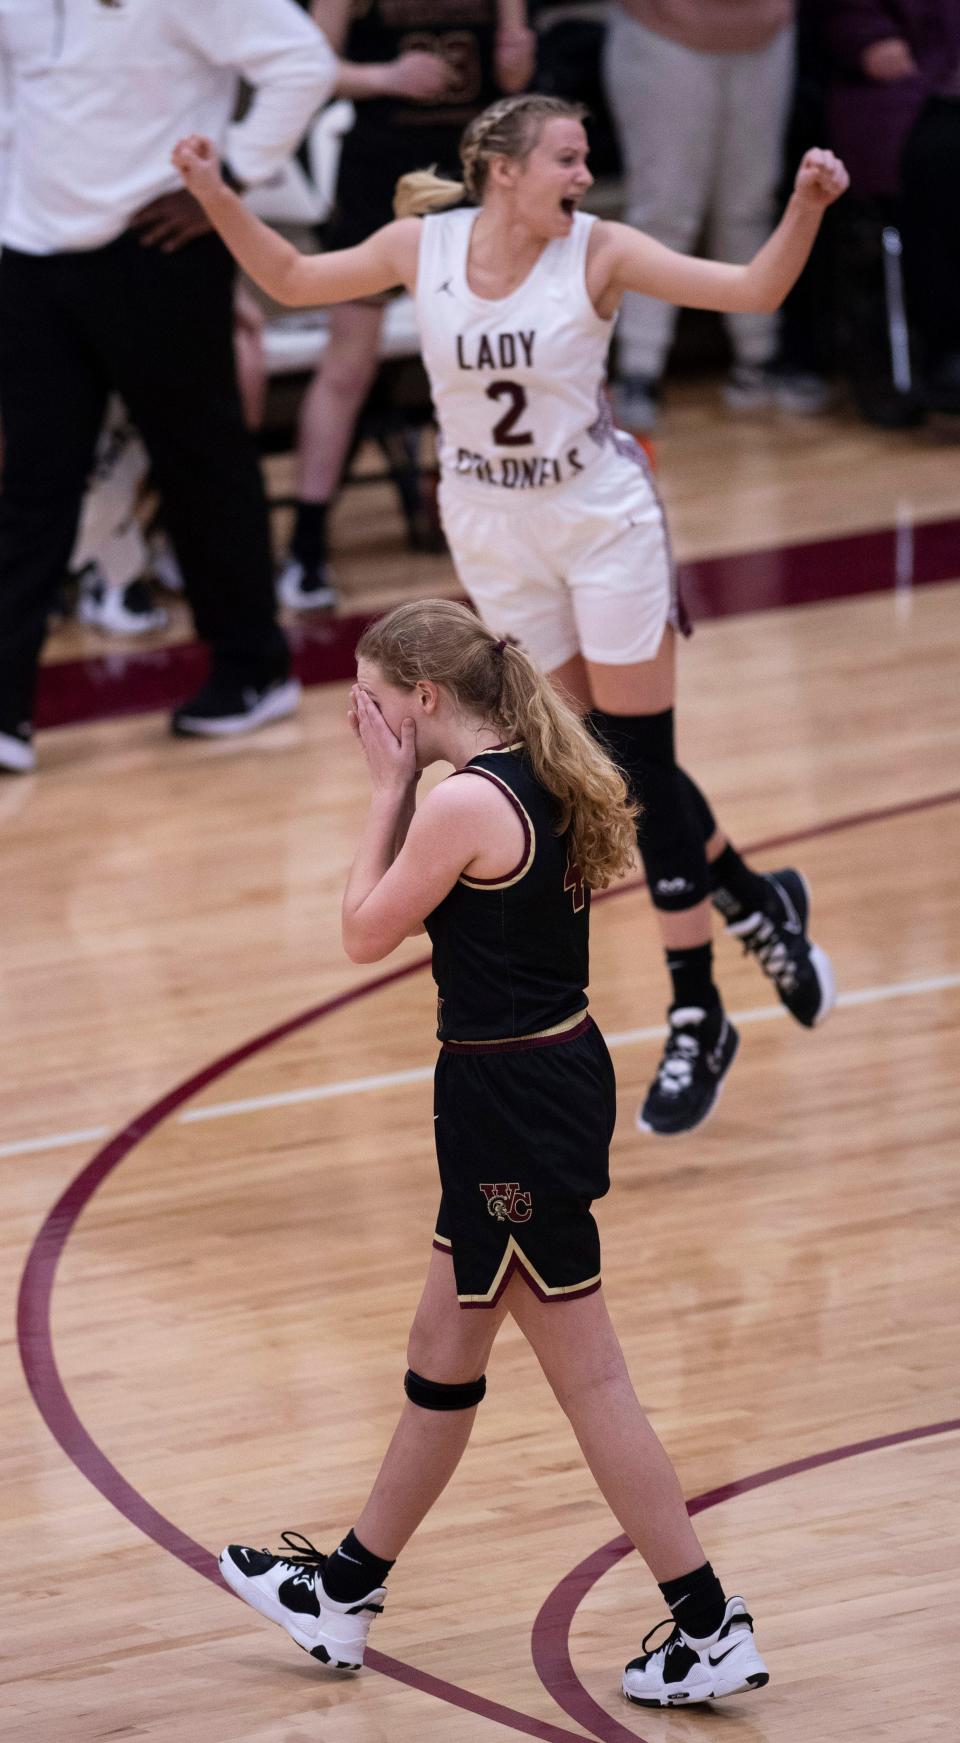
(35, 1337)
(73, 691)
(550, 1638)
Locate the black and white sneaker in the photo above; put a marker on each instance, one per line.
(306, 586)
(685, 1670)
(17, 755)
(224, 707)
(801, 972)
(288, 1588)
(126, 610)
(700, 1049)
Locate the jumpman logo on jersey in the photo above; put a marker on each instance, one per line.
(447, 286)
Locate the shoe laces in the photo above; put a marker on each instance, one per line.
(760, 938)
(298, 1552)
(673, 1638)
(680, 1055)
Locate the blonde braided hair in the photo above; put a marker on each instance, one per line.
(508, 128)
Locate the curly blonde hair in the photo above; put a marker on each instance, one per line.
(441, 642)
(508, 128)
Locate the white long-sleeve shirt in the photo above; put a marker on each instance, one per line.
(99, 92)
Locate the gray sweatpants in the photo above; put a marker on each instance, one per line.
(701, 137)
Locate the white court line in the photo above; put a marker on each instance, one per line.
(871, 995)
(60, 1141)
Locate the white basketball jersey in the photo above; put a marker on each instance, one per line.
(517, 382)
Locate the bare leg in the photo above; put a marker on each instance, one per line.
(335, 397)
(580, 1354)
(251, 357)
(446, 1344)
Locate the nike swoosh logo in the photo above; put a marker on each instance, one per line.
(723, 1655)
(793, 922)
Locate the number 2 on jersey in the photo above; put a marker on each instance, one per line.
(503, 431)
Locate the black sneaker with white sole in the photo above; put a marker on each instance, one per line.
(801, 972)
(288, 1588)
(699, 1051)
(306, 586)
(226, 707)
(685, 1670)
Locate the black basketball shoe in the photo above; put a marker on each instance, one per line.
(288, 1588)
(801, 972)
(225, 707)
(685, 1670)
(700, 1049)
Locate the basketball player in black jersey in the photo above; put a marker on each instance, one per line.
(497, 864)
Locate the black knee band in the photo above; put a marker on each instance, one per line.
(435, 1395)
(676, 821)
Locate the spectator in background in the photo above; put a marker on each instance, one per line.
(114, 561)
(478, 48)
(112, 280)
(895, 114)
(700, 91)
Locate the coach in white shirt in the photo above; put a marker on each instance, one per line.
(110, 279)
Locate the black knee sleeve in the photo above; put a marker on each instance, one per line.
(706, 822)
(676, 820)
(436, 1395)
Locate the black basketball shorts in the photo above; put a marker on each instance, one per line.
(523, 1136)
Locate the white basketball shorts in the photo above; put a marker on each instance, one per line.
(583, 567)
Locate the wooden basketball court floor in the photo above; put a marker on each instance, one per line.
(217, 1189)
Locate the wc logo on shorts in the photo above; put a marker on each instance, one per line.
(506, 1202)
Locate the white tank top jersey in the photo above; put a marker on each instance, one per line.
(517, 382)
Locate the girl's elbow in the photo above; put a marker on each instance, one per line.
(361, 948)
(757, 302)
(357, 950)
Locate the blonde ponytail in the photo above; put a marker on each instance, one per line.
(443, 642)
(423, 191)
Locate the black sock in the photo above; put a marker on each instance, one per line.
(310, 533)
(351, 1571)
(737, 890)
(692, 974)
(697, 1601)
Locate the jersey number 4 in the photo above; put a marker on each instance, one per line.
(503, 432)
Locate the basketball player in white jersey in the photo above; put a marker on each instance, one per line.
(554, 526)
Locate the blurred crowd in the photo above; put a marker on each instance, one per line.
(133, 375)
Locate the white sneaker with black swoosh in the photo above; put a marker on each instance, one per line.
(287, 1588)
(685, 1670)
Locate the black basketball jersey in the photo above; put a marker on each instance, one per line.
(462, 32)
(511, 954)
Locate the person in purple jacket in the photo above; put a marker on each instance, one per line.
(895, 117)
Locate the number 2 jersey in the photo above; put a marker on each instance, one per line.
(518, 383)
(511, 954)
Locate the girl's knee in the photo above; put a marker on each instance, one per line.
(450, 1353)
